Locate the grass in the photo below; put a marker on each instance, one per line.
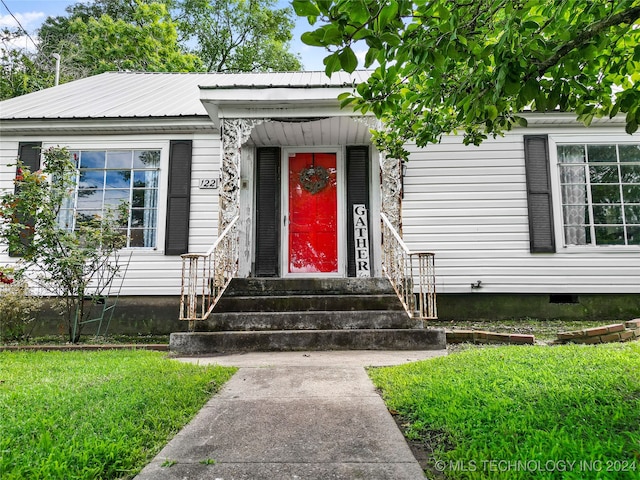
(87, 415)
(522, 412)
(95, 340)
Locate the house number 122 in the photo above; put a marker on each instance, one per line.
(209, 183)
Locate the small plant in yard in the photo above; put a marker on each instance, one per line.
(570, 412)
(73, 261)
(89, 415)
(17, 306)
(6, 276)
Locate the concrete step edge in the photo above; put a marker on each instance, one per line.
(345, 286)
(309, 321)
(284, 303)
(300, 340)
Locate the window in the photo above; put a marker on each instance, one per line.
(107, 178)
(600, 187)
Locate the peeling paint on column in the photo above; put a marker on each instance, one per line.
(391, 181)
(234, 133)
(391, 194)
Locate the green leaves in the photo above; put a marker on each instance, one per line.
(387, 15)
(150, 43)
(530, 90)
(314, 39)
(358, 12)
(332, 63)
(21, 74)
(348, 60)
(491, 112)
(305, 8)
(472, 67)
(343, 60)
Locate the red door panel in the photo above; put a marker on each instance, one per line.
(313, 221)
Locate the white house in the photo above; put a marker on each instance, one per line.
(544, 222)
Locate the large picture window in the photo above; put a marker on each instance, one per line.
(108, 178)
(600, 187)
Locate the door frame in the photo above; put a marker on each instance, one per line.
(341, 213)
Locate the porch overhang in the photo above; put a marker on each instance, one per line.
(273, 102)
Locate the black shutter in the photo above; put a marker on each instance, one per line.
(536, 159)
(29, 156)
(357, 193)
(267, 212)
(178, 198)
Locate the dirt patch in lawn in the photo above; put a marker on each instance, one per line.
(545, 331)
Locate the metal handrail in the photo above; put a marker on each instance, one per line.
(411, 274)
(205, 276)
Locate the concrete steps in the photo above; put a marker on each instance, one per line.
(308, 286)
(307, 314)
(203, 343)
(307, 303)
(308, 320)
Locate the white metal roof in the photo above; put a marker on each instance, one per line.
(145, 95)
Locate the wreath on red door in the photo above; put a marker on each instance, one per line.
(314, 179)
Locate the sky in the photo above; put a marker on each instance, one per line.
(31, 14)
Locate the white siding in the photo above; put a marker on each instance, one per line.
(466, 204)
(8, 154)
(469, 206)
(150, 271)
(203, 226)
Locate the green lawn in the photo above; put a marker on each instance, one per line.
(570, 412)
(89, 415)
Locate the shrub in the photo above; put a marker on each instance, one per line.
(18, 307)
(76, 265)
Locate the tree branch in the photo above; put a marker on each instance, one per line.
(628, 16)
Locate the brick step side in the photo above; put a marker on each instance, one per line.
(633, 324)
(617, 332)
(323, 320)
(480, 336)
(205, 343)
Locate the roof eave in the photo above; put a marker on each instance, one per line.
(566, 119)
(33, 126)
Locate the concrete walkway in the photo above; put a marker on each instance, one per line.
(293, 415)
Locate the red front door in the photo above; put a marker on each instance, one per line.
(313, 219)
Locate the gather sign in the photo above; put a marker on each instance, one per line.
(361, 240)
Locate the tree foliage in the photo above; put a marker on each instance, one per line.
(54, 31)
(239, 35)
(475, 65)
(75, 265)
(148, 43)
(20, 72)
(66, 35)
(153, 35)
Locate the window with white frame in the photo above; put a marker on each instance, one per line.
(600, 187)
(108, 178)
